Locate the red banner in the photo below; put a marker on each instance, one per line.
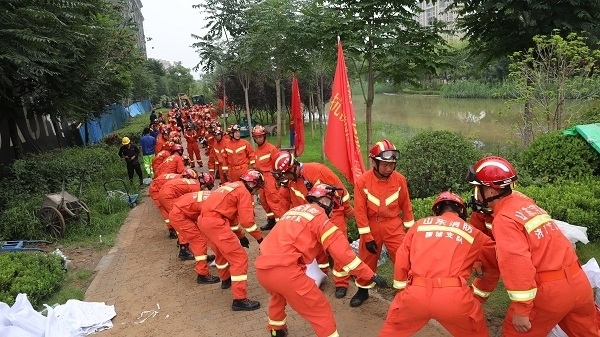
(297, 119)
(341, 140)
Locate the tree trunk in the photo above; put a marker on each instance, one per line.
(278, 94)
(320, 107)
(369, 101)
(311, 117)
(248, 114)
(528, 119)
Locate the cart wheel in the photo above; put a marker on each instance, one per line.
(53, 220)
(84, 215)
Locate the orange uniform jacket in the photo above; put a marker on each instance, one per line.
(160, 141)
(159, 159)
(238, 152)
(219, 154)
(233, 202)
(442, 247)
(159, 182)
(191, 137)
(528, 242)
(263, 162)
(174, 188)
(263, 158)
(379, 200)
(190, 204)
(483, 222)
(300, 235)
(173, 164)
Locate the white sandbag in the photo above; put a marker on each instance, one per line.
(314, 272)
(4, 309)
(54, 328)
(22, 315)
(573, 233)
(14, 331)
(84, 318)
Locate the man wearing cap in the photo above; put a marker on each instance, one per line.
(131, 154)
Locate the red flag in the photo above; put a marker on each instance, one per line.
(341, 141)
(297, 119)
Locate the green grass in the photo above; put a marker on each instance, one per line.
(71, 288)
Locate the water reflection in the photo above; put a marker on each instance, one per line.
(489, 121)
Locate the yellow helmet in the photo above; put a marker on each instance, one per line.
(125, 141)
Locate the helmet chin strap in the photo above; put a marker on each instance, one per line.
(483, 205)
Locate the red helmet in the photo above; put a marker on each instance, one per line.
(446, 198)
(173, 134)
(495, 172)
(284, 161)
(176, 140)
(384, 151)
(324, 190)
(234, 127)
(209, 180)
(253, 176)
(167, 145)
(189, 173)
(177, 147)
(217, 131)
(258, 130)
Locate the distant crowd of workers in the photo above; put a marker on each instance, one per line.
(445, 265)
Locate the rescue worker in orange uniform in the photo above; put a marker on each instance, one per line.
(161, 139)
(219, 161)
(431, 269)
(301, 234)
(183, 217)
(225, 207)
(301, 178)
(270, 199)
(239, 154)
(173, 189)
(382, 209)
(155, 186)
(538, 265)
(173, 163)
(160, 157)
(193, 149)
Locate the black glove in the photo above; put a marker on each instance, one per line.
(259, 240)
(379, 281)
(244, 242)
(371, 246)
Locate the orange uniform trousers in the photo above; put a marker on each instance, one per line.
(235, 171)
(194, 153)
(270, 198)
(188, 231)
(566, 300)
(454, 307)
(385, 231)
(230, 256)
(165, 206)
(340, 277)
(290, 285)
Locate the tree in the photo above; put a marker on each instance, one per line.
(180, 79)
(384, 41)
(546, 75)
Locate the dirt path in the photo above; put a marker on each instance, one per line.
(142, 274)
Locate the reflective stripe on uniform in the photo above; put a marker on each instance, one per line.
(323, 265)
(372, 198)
(199, 197)
(228, 150)
(240, 149)
(346, 197)
(276, 323)
(252, 228)
(328, 233)
(339, 273)
(270, 214)
(364, 230)
(352, 265)
(264, 156)
(235, 228)
(392, 197)
(535, 222)
(481, 293)
(200, 258)
(224, 168)
(298, 193)
(409, 224)
(522, 295)
(399, 284)
(305, 215)
(488, 225)
(334, 334)
(166, 220)
(365, 287)
(226, 188)
(222, 266)
(239, 278)
(439, 228)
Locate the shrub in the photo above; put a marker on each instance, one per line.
(552, 157)
(38, 275)
(435, 161)
(575, 202)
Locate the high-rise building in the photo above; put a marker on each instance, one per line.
(437, 11)
(133, 11)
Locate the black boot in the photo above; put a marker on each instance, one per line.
(244, 305)
(340, 292)
(279, 333)
(270, 224)
(206, 279)
(185, 253)
(361, 295)
(226, 284)
(172, 233)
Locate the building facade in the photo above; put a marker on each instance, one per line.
(133, 11)
(437, 11)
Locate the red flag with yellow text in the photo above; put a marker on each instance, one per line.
(297, 119)
(341, 140)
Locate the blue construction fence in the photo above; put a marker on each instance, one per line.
(113, 119)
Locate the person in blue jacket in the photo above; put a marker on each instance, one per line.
(148, 142)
